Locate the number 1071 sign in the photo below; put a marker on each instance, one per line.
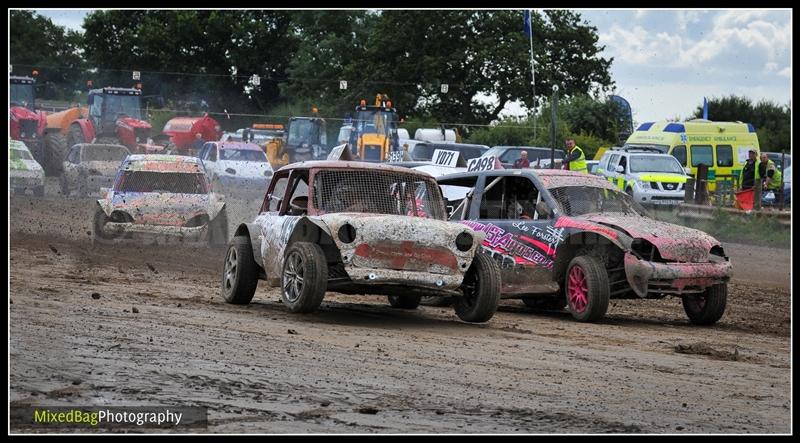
(481, 164)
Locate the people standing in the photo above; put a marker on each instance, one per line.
(576, 160)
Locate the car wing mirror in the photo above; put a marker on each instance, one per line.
(620, 169)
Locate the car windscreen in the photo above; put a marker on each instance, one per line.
(243, 155)
(19, 154)
(104, 154)
(582, 200)
(168, 182)
(377, 192)
(655, 163)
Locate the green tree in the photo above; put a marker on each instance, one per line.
(38, 43)
(410, 54)
(772, 121)
(205, 50)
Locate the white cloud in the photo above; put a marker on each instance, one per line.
(786, 72)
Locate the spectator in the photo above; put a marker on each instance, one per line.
(749, 171)
(522, 161)
(576, 160)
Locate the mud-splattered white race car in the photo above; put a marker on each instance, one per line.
(359, 228)
(24, 172)
(161, 198)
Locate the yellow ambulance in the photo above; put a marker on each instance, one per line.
(723, 146)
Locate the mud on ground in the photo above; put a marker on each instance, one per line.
(133, 325)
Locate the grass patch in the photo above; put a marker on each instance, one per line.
(745, 229)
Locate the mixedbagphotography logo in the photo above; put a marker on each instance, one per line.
(108, 417)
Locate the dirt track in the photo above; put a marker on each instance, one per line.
(359, 366)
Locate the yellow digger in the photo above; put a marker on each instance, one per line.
(374, 133)
(305, 139)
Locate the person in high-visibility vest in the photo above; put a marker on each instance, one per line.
(768, 174)
(576, 160)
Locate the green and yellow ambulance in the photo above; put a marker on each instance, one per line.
(723, 146)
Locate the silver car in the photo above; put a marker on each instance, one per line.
(651, 178)
(89, 167)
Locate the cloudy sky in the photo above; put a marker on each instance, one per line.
(666, 61)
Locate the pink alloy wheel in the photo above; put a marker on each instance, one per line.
(577, 289)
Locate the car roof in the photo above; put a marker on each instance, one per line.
(522, 147)
(457, 145)
(239, 146)
(340, 164)
(551, 178)
(162, 163)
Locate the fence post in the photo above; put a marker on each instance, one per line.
(688, 190)
(701, 190)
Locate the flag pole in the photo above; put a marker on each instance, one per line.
(533, 72)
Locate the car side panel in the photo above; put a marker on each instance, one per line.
(274, 234)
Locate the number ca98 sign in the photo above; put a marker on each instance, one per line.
(481, 164)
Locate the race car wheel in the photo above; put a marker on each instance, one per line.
(405, 301)
(708, 307)
(481, 291)
(305, 277)
(240, 272)
(100, 220)
(587, 288)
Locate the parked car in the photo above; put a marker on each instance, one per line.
(650, 177)
(89, 167)
(359, 228)
(787, 185)
(24, 173)
(236, 168)
(537, 156)
(563, 238)
(424, 151)
(161, 197)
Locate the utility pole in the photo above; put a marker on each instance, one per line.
(553, 109)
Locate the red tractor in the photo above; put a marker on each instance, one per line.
(115, 117)
(25, 123)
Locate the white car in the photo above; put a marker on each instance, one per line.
(650, 177)
(236, 168)
(24, 172)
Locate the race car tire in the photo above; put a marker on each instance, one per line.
(706, 308)
(100, 219)
(481, 291)
(240, 272)
(587, 288)
(404, 301)
(304, 277)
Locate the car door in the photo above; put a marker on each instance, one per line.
(520, 235)
(71, 166)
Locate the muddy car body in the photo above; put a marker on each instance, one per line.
(236, 168)
(90, 167)
(163, 198)
(24, 172)
(566, 238)
(359, 228)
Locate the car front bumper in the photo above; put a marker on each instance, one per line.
(646, 277)
(178, 234)
(427, 280)
(658, 197)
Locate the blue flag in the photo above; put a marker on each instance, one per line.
(526, 18)
(705, 109)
